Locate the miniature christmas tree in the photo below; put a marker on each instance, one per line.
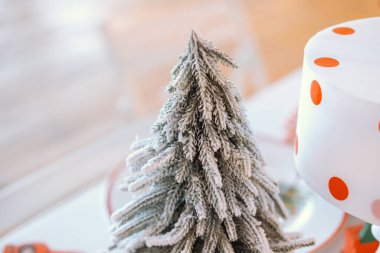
(200, 177)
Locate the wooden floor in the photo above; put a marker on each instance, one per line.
(73, 70)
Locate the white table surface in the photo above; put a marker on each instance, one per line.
(80, 223)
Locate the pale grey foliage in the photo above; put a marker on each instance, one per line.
(201, 174)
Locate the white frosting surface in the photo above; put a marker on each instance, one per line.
(338, 128)
(358, 72)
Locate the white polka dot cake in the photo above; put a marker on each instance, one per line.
(337, 149)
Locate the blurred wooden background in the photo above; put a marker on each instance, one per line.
(73, 71)
(145, 32)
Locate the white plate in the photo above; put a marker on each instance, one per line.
(312, 216)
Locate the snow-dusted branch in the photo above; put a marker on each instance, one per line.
(200, 174)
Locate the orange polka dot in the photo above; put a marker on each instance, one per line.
(315, 92)
(326, 62)
(296, 145)
(376, 208)
(343, 30)
(379, 126)
(338, 188)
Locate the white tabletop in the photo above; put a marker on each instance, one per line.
(78, 224)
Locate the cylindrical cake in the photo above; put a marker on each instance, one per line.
(337, 149)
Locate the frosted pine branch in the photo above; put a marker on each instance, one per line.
(200, 174)
(184, 224)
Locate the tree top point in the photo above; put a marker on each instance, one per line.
(193, 37)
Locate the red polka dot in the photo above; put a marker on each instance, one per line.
(343, 30)
(326, 62)
(296, 145)
(316, 92)
(376, 208)
(338, 188)
(379, 126)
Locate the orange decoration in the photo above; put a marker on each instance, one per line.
(352, 242)
(296, 145)
(315, 92)
(338, 188)
(32, 248)
(326, 62)
(343, 30)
